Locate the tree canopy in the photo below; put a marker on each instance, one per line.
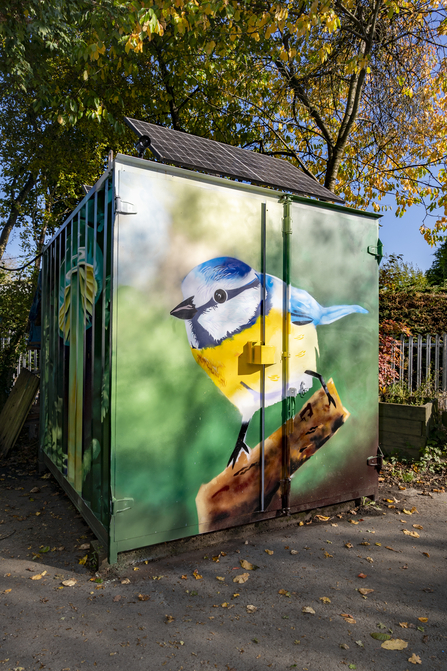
(351, 91)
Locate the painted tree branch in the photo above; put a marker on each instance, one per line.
(233, 497)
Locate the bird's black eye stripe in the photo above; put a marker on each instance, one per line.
(220, 295)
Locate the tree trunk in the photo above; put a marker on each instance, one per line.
(15, 211)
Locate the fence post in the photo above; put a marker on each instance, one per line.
(436, 362)
(402, 359)
(444, 362)
(410, 363)
(419, 363)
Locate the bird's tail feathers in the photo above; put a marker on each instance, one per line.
(331, 314)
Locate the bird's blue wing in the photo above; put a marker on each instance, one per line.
(304, 309)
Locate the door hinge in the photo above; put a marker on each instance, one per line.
(124, 207)
(120, 505)
(377, 461)
(376, 251)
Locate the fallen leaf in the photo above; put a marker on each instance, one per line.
(325, 599)
(241, 578)
(423, 619)
(197, 575)
(218, 577)
(413, 534)
(352, 521)
(84, 546)
(360, 644)
(394, 644)
(365, 543)
(404, 625)
(426, 554)
(415, 659)
(387, 547)
(136, 568)
(184, 577)
(400, 487)
(116, 598)
(344, 646)
(251, 609)
(370, 559)
(71, 582)
(223, 554)
(418, 526)
(308, 609)
(38, 576)
(246, 565)
(83, 561)
(389, 500)
(284, 592)
(413, 510)
(349, 545)
(322, 518)
(293, 552)
(362, 575)
(352, 666)
(406, 512)
(269, 552)
(327, 555)
(216, 558)
(380, 637)
(126, 581)
(348, 618)
(379, 544)
(168, 619)
(364, 591)
(146, 597)
(6, 591)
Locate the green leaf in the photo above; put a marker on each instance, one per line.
(380, 637)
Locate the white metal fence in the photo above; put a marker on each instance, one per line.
(29, 359)
(422, 359)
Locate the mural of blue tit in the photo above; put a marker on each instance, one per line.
(222, 313)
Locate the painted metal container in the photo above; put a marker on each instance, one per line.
(209, 354)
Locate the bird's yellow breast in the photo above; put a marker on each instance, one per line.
(228, 365)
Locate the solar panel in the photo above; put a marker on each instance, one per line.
(199, 153)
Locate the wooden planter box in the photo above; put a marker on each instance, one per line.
(404, 429)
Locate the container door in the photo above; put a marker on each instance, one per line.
(188, 372)
(330, 376)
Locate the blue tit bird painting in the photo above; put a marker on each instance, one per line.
(222, 310)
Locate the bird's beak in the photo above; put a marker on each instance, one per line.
(185, 310)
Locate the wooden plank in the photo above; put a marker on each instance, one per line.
(16, 409)
(411, 412)
(405, 427)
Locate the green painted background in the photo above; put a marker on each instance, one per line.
(172, 429)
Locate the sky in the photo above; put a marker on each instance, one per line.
(402, 236)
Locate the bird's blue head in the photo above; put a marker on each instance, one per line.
(222, 297)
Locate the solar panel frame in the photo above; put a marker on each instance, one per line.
(197, 153)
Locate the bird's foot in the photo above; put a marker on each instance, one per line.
(240, 445)
(330, 399)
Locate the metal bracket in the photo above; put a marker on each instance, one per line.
(262, 355)
(123, 207)
(377, 461)
(376, 251)
(120, 505)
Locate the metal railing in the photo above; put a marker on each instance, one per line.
(421, 359)
(29, 359)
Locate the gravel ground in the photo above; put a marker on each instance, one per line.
(187, 613)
